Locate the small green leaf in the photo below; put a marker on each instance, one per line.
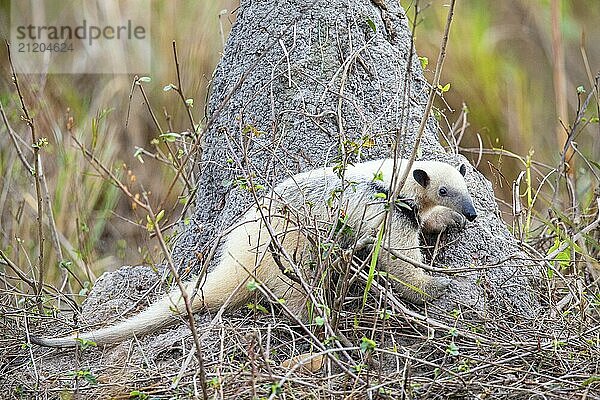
(372, 25)
(160, 216)
(424, 62)
(137, 395)
(276, 388)
(149, 224)
(367, 344)
(170, 86)
(444, 88)
(85, 344)
(86, 375)
(580, 90)
(170, 136)
(564, 257)
(378, 176)
(385, 314)
(251, 285)
(144, 79)
(257, 307)
(320, 321)
(452, 349)
(382, 196)
(85, 289)
(590, 380)
(190, 102)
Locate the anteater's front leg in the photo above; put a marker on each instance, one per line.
(439, 218)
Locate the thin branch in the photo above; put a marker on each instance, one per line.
(36, 172)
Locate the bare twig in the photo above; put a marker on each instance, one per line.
(37, 164)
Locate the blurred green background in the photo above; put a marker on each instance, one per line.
(500, 65)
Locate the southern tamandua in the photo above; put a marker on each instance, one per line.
(433, 198)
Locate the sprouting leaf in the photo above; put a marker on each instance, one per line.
(169, 87)
(590, 380)
(444, 88)
(580, 90)
(382, 196)
(424, 62)
(138, 395)
(276, 388)
(378, 176)
(257, 307)
(170, 136)
(385, 314)
(452, 349)
(367, 344)
(564, 257)
(189, 102)
(85, 289)
(320, 321)
(85, 343)
(160, 216)
(86, 375)
(149, 224)
(144, 79)
(372, 25)
(251, 285)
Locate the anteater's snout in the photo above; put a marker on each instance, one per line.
(469, 211)
(471, 215)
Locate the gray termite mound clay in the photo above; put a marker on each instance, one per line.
(296, 74)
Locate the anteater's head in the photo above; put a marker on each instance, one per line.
(439, 183)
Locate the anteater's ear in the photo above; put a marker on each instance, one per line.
(421, 177)
(462, 169)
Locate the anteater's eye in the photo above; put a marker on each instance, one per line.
(443, 191)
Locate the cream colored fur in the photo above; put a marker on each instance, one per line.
(280, 228)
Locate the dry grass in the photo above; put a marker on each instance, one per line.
(99, 228)
(443, 356)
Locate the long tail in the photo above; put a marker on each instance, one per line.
(219, 285)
